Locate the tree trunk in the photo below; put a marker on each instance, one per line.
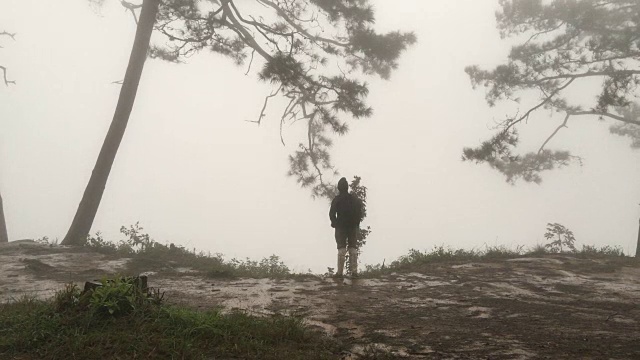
(88, 207)
(4, 237)
(638, 244)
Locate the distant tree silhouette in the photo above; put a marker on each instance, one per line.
(4, 237)
(312, 51)
(564, 45)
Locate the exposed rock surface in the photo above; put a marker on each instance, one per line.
(555, 307)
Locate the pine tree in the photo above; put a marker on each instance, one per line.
(312, 51)
(563, 45)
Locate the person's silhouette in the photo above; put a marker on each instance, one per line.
(345, 214)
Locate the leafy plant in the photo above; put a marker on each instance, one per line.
(360, 191)
(137, 239)
(121, 295)
(559, 236)
(45, 240)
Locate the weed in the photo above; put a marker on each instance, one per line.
(538, 249)
(67, 298)
(591, 251)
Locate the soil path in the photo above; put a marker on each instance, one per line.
(552, 307)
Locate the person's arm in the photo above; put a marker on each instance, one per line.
(332, 213)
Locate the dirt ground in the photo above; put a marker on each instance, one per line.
(552, 307)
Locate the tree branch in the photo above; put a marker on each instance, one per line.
(563, 125)
(300, 29)
(582, 75)
(264, 107)
(11, 35)
(609, 115)
(131, 7)
(547, 99)
(242, 31)
(4, 73)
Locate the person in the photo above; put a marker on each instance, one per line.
(345, 215)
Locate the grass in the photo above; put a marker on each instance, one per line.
(416, 259)
(68, 326)
(150, 255)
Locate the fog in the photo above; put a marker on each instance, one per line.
(193, 171)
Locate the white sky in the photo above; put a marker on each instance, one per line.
(195, 173)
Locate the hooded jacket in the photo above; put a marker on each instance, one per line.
(346, 209)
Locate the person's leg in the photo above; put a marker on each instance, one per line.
(342, 252)
(341, 241)
(353, 261)
(352, 237)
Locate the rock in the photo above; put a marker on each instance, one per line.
(90, 285)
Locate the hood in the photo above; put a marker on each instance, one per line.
(343, 186)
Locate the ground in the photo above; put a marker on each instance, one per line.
(548, 307)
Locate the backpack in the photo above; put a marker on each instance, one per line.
(350, 210)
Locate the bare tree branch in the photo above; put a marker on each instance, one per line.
(563, 125)
(513, 121)
(7, 82)
(11, 35)
(264, 107)
(250, 62)
(131, 7)
(609, 115)
(299, 28)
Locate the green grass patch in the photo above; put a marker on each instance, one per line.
(74, 325)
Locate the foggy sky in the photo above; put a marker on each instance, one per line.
(194, 172)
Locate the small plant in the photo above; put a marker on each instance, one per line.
(330, 272)
(559, 236)
(271, 266)
(45, 240)
(99, 243)
(137, 239)
(121, 295)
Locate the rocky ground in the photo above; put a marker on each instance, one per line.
(551, 307)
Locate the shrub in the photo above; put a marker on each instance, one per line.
(120, 295)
